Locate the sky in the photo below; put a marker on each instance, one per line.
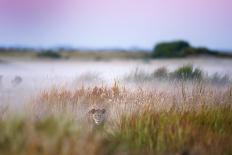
(115, 23)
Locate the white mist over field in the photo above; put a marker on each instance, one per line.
(39, 75)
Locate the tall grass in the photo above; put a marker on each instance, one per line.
(204, 132)
(188, 118)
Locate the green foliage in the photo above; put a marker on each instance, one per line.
(187, 72)
(180, 49)
(197, 51)
(49, 54)
(170, 49)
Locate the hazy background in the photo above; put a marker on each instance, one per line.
(115, 23)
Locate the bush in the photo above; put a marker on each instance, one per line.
(138, 75)
(49, 54)
(161, 73)
(170, 49)
(219, 79)
(187, 73)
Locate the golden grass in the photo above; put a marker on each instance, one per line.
(185, 119)
(85, 55)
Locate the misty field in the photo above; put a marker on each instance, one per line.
(181, 107)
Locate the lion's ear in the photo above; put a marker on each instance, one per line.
(103, 111)
(92, 111)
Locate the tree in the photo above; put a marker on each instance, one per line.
(170, 49)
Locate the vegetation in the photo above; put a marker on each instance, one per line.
(49, 54)
(177, 133)
(106, 55)
(182, 49)
(170, 49)
(220, 79)
(74, 54)
(188, 72)
(185, 119)
(183, 73)
(138, 75)
(173, 49)
(161, 73)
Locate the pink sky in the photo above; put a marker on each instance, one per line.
(115, 23)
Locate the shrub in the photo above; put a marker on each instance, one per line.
(187, 72)
(161, 73)
(49, 54)
(219, 79)
(138, 75)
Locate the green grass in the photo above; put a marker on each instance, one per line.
(204, 132)
(193, 119)
(175, 133)
(21, 135)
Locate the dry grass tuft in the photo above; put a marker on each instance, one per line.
(188, 118)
